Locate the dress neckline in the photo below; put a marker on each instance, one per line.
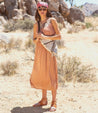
(44, 20)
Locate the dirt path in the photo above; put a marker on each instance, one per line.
(16, 96)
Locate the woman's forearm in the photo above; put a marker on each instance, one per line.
(35, 40)
(55, 37)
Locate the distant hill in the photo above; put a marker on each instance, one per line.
(89, 8)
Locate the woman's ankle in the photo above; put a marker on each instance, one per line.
(44, 97)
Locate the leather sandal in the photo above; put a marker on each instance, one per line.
(53, 106)
(42, 102)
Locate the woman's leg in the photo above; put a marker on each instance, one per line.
(53, 103)
(44, 93)
(43, 101)
(54, 95)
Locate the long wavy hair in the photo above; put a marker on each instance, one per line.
(38, 18)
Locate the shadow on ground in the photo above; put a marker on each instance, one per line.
(29, 110)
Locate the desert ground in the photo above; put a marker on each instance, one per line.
(16, 94)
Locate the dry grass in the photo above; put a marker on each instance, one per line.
(92, 20)
(60, 26)
(3, 45)
(88, 25)
(60, 43)
(96, 40)
(30, 45)
(12, 25)
(13, 44)
(71, 69)
(76, 27)
(9, 68)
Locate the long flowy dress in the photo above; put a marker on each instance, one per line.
(44, 72)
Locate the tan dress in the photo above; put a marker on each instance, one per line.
(44, 72)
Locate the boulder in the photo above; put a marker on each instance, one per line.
(21, 5)
(58, 17)
(10, 6)
(17, 14)
(2, 8)
(26, 16)
(30, 7)
(53, 5)
(2, 20)
(95, 13)
(75, 14)
(63, 9)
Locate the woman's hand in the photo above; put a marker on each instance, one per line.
(41, 36)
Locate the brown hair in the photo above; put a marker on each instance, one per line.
(37, 16)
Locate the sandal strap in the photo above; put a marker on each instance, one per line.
(43, 99)
(53, 104)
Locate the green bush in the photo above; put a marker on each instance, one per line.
(88, 25)
(12, 25)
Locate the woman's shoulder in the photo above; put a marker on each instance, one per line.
(52, 19)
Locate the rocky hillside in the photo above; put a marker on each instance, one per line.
(89, 8)
(21, 9)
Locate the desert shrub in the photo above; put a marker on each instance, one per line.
(60, 43)
(9, 68)
(13, 44)
(71, 69)
(60, 26)
(12, 25)
(96, 41)
(88, 25)
(2, 44)
(29, 44)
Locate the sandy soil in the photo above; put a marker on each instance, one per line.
(16, 95)
(82, 45)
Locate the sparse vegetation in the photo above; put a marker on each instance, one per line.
(12, 25)
(71, 69)
(11, 45)
(60, 43)
(9, 68)
(14, 43)
(29, 44)
(96, 41)
(3, 45)
(60, 26)
(88, 25)
(92, 22)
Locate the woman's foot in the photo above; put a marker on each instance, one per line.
(53, 106)
(42, 102)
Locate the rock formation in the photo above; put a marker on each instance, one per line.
(10, 5)
(75, 14)
(21, 9)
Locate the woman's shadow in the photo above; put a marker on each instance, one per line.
(29, 110)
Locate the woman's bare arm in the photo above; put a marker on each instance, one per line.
(35, 38)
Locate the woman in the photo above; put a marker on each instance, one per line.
(44, 73)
